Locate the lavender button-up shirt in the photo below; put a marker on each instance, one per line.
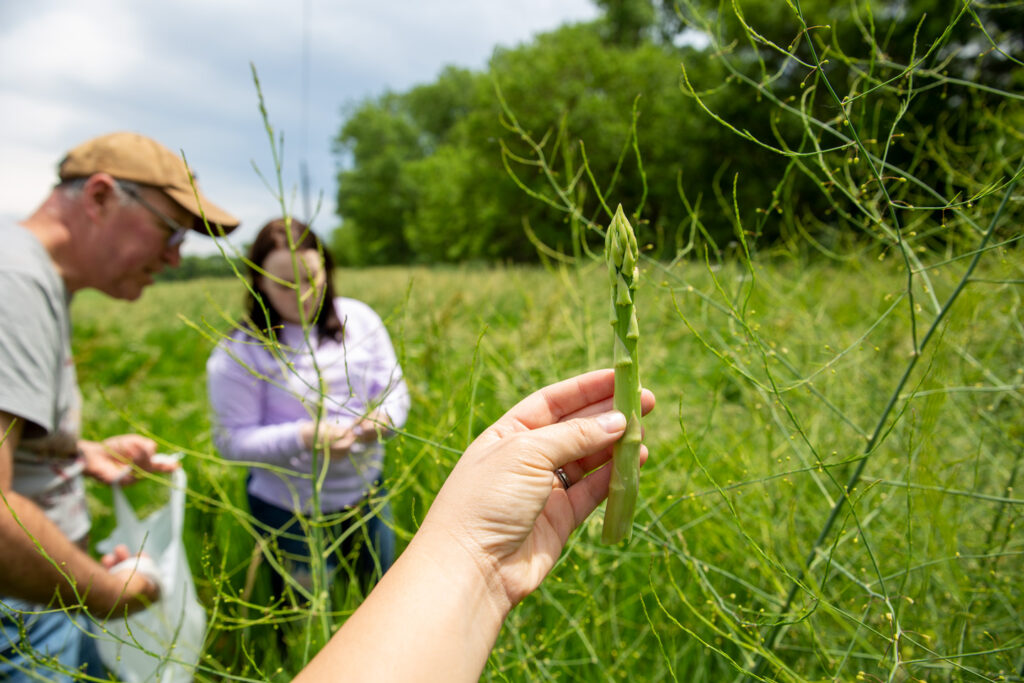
(259, 400)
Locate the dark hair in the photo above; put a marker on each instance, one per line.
(274, 236)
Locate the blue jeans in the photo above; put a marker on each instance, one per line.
(40, 644)
(294, 545)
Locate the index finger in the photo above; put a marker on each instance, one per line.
(555, 402)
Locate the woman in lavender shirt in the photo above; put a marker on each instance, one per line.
(306, 391)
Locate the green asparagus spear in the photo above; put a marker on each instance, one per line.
(621, 253)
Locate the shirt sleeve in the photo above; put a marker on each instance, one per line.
(236, 394)
(30, 351)
(387, 389)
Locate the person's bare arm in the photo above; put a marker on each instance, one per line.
(38, 561)
(495, 530)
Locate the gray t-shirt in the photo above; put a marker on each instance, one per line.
(38, 383)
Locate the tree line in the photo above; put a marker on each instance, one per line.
(703, 119)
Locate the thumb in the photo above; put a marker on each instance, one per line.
(568, 441)
(119, 554)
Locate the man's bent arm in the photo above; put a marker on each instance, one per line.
(38, 560)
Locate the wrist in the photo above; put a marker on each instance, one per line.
(476, 579)
(87, 456)
(104, 595)
(306, 435)
(432, 616)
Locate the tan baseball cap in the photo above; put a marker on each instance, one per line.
(136, 158)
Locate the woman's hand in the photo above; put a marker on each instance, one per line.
(339, 440)
(504, 508)
(336, 439)
(373, 427)
(492, 534)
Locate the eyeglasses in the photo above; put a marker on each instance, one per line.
(177, 230)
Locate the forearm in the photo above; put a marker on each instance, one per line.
(279, 444)
(242, 429)
(39, 561)
(433, 616)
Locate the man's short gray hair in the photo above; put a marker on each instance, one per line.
(122, 188)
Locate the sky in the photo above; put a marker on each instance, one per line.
(181, 73)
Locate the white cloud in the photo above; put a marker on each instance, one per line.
(180, 73)
(81, 46)
(28, 157)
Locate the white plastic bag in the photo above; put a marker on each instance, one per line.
(163, 643)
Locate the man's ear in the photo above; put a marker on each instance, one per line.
(100, 196)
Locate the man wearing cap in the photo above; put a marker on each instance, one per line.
(117, 217)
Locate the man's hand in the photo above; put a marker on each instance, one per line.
(115, 460)
(138, 574)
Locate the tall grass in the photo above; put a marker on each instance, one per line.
(758, 427)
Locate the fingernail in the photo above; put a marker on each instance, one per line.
(612, 422)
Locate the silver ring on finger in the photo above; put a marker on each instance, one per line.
(563, 477)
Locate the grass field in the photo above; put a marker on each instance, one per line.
(771, 381)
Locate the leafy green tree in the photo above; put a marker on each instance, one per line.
(578, 92)
(431, 160)
(628, 23)
(738, 107)
(379, 142)
(925, 83)
(378, 139)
